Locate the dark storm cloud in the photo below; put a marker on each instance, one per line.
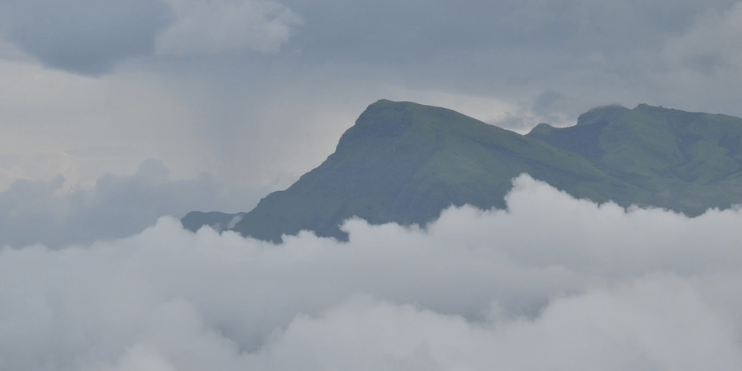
(85, 36)
(39, 212)
(90, 37)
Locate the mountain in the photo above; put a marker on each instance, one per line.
(404, 162)
(688, 161)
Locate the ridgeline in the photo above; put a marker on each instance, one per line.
(404, 162)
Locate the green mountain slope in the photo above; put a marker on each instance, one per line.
(405, 162)
(687, 161)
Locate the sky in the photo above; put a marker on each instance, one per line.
(117, 118)
(258, 92)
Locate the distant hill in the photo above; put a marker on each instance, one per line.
(404, 162)
(689, 162)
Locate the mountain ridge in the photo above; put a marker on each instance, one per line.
(694, 155)
(405, 162)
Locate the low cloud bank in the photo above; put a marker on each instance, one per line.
(551, 283)
(118, 206)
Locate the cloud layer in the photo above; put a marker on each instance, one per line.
(91, 37)
(552, 283)
(118, 206)
(84, 36)
(204, 27)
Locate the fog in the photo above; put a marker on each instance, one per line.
(550, 283)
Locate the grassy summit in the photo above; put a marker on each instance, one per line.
(405, 162)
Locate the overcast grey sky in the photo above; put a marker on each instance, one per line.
(258, 92)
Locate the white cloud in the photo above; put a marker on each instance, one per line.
(487, 109)
(654, 323)
(214, 26)
(552, 283)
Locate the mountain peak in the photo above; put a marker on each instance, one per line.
(542, 129)
(387, 123)
(383, 109)
(405, 162)
(601, 114)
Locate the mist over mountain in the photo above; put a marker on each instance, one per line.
(404, 162)
(551, 283)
